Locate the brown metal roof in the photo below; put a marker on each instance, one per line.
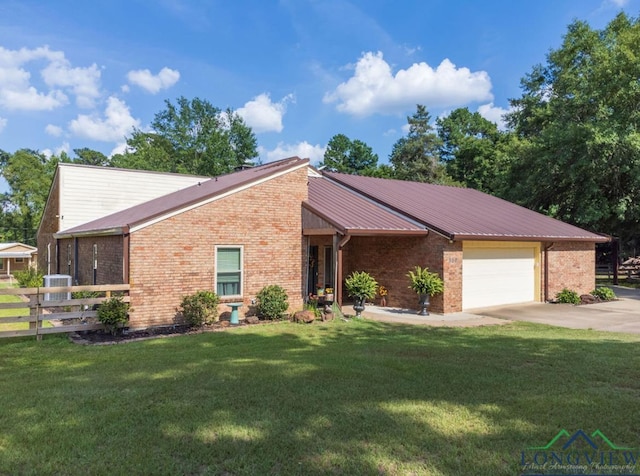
(120, 222)
(462, 213)
(351, 213)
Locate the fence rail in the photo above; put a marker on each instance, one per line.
(68, 315)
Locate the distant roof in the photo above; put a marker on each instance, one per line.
(461, 213)
(16, 250)
(354, 214)
(183, 199)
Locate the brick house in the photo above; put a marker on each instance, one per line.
(285, 223)
(16, 257)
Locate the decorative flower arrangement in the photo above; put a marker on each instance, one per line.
(383, 292)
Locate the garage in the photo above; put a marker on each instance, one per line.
(499, 273)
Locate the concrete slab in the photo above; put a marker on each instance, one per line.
(622, 315)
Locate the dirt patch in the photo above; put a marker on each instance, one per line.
(101, 337)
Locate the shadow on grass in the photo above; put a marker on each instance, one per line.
(338, 398)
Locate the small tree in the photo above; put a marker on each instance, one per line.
(272, 302)
(29, 278)
(200, 308)
(113, 314)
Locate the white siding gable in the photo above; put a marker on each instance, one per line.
(88, 193)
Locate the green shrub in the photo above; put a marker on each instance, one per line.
(200, 308)
(423, 281)
(113, 314)
(29, 278)
(361, 284)
(313, 307)
(567, 296)
(604, 294)
(272, 302)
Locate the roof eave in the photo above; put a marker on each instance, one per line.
(120, 230)
(472, 237)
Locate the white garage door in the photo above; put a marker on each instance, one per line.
(495, 276)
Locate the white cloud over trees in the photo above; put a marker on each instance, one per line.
(375, 89)
(263, 115)
(143, 78)
(113, 127)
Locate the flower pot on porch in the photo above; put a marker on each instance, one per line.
(358, 305)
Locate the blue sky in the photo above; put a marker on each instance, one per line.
(79, 74)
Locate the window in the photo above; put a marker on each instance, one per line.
(328, 266)
(229, 271)
(1, 263)
(19, 260)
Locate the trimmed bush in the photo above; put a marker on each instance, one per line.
(604, 294)
(29, 278)
(567, 296)
(113, 314)
(272, 302)
(200, 308)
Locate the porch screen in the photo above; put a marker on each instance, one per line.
(228, 271)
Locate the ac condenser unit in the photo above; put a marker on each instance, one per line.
(55, 280)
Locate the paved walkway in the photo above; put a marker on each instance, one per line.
(622, 315)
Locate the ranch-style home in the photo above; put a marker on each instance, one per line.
(16, 257)
(286, 223)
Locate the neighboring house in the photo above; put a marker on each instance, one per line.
(285, 223)
(16, 257)
(81, 193)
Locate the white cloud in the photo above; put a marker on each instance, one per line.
(64, 147)
(3, 123)
(262, 115)
(120, 148)
(494, 114)
(303, 150)
(117, 123)
(55, 131)
(154, 84)
(373, 88)
(17, 92)
(619, 3)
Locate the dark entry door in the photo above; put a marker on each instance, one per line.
(312, 280)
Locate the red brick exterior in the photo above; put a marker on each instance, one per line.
(49, 226)
(176, 256)
(572, 266)
(389, 259)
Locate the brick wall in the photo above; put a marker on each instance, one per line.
(176, 256)
(571, 266)
(389, 259)
(110, 259)
(49, 226)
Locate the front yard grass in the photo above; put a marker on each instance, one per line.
(13, 326)
(355, 397)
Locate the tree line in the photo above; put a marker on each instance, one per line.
(571, 147)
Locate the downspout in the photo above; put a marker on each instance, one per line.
(125, 259)
(345, 239)
(76, 254)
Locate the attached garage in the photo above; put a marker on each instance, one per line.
(496, 273)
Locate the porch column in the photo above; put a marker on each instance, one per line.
(345, 239)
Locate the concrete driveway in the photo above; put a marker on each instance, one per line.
(622, 315)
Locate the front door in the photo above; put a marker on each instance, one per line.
(312, 281)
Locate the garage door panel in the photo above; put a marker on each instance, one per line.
(495, 276)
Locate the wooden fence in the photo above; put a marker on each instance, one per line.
(68, 315)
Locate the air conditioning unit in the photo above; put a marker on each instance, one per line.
(55, 280)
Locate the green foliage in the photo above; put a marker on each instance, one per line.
(29, 278)
(313, 307)
(423, 281)
(578, 121)
(272, 302)
(416, 156)
(191, 137)
(113, 314)
(474, 150)
(350, 157)
(604, 294)
(200, 308)
(361, 284)
(567, 296)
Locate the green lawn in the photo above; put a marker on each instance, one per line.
(346, 398)
(14, 326)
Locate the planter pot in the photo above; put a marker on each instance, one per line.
(358, 306)
(424, 304)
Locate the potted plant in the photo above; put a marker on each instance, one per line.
(426, 284)
(383, 292)
(361, 286)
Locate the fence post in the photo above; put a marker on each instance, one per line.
(34, 301)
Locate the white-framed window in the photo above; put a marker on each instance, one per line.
(229, 261)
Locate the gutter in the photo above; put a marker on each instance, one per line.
(121, 230)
